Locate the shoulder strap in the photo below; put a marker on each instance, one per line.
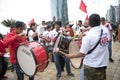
(27, 33)
(96, 44)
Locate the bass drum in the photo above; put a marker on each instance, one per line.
(31, 57)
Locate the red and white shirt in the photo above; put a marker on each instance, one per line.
(99, 56)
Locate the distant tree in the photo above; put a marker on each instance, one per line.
(9, 23)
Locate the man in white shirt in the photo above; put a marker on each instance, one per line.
(79, 27)
(57, 56)
(40, 30)
(94, 63)
(47, 38)
(31, 32)
(108, 26)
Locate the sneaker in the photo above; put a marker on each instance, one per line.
(58, 76)
(111, 60)
(71, 74)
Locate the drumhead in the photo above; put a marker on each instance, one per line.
(73, 49)
(26, 60)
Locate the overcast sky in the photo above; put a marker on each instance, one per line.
(25, 10)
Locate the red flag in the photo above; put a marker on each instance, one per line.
(32, 21)
(86, 18)
(83, 7)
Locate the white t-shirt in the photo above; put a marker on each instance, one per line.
(79, 30)
(46, 34)
(99, 56)
(40, 30)
(108, 25)
(30, 33)
(54, 34)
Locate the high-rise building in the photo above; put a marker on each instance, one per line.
(59, 10)
(113, 14)
(117, 13)
(118, 1)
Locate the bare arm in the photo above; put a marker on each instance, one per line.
(111, 31)
(77, 55)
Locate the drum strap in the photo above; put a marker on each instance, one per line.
(96, 44)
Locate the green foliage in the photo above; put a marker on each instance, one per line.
(7, 50)
(8, 23)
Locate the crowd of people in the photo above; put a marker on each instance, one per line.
(93, 31)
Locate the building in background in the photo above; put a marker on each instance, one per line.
(119, 2)
(113, 14)
(59, 9)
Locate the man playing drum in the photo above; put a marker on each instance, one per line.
(57, 56)
(12, 40)
(96, 62)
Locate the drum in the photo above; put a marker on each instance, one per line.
(67, 45)
(74, 48)
(64, 43)
(31, 57)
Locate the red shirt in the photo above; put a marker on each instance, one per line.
(72, 32)
(2, 48)
(12, 40)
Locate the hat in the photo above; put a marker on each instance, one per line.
(58, 23)
(19, 24)
(102, 19)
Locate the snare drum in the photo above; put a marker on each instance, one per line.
(64, 43)
(31, 57)
(67, 45)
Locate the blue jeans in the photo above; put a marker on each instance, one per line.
(82, 73)
(110, 49)
(58, 66)
(20, 75)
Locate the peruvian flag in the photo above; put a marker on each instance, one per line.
(32, 21)
(83, 8)
(87, 17)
